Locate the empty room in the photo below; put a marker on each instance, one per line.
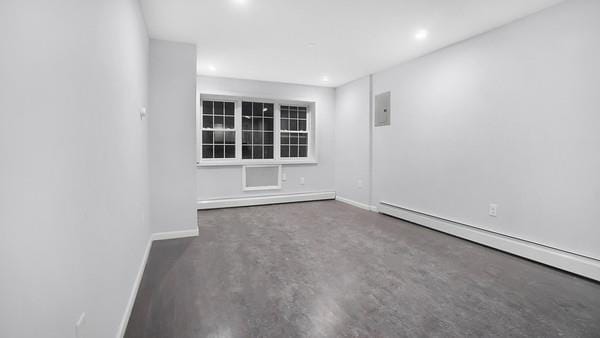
(299, 168)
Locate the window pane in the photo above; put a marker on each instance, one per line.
(218, 109)
(207, 107)
(219, 151)
(247, 108)
(257, 123)
(230, 137)
(207, 121)
(219, 123)
(285, 151)
(285, 138)
(230, 151)
(219, 137)
(294, 138)
(293, 151)
(302, 112)
(229, 108)
(257, 152)
(269, 109)
(246, 152)
(303, 139)
(285, 124)
(293, 112)
(246, 123)
(207, 151)
(207, 137)
(229, 122)
(257, 137)
(268, 123)
(302, 151)
(257, 109)
(268, 138)
(293, 124)
(247, 137)
(302, 125)
(268, 152)
(285, 112)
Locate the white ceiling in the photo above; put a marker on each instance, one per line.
(302, 41)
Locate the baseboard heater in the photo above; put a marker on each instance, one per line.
(581, 265)
(265, 199)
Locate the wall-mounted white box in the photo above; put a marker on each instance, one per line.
(382, 109)
(261, 177)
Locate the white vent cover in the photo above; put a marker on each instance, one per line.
(263, 177)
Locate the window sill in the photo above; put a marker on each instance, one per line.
(205, 163)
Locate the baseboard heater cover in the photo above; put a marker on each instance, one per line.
(574, 263)
(356, 204)
(264, 200)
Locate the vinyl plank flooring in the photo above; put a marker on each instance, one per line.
(326, 269)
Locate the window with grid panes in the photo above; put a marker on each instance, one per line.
(257, 130)
(236, 130)
(293, 131)
(218, 129)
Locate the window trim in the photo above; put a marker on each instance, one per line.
(277, 159)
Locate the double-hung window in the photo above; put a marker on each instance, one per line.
(257, 130)
(236, 130)
(218, 129)
(294, 131)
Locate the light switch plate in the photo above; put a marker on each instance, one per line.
(493, 210)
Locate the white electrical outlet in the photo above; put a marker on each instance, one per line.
(143, 113)
(79, 326)
(493, 210)
(284, 177)
(301, 180)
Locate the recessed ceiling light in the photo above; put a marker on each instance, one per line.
(212, 68)
(312, 44)
(325, 78)
(421, 34)
(240, 2)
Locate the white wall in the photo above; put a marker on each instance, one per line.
(226, 182)
(172, 118)
(352, 141)
(509, 117)
(73, 164)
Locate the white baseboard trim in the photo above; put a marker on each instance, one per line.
(356, 204)
(263, 200)
(138, 278)
(580, 265)
(134, 290)
(159, 236)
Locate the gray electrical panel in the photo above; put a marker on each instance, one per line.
(382, 109)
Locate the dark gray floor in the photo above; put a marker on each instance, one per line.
(326, 269)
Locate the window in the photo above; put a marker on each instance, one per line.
(218, 129)
(294, 132)
(245, 130)
(257, 130)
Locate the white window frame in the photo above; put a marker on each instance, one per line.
(238, 160)
(200, 128)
